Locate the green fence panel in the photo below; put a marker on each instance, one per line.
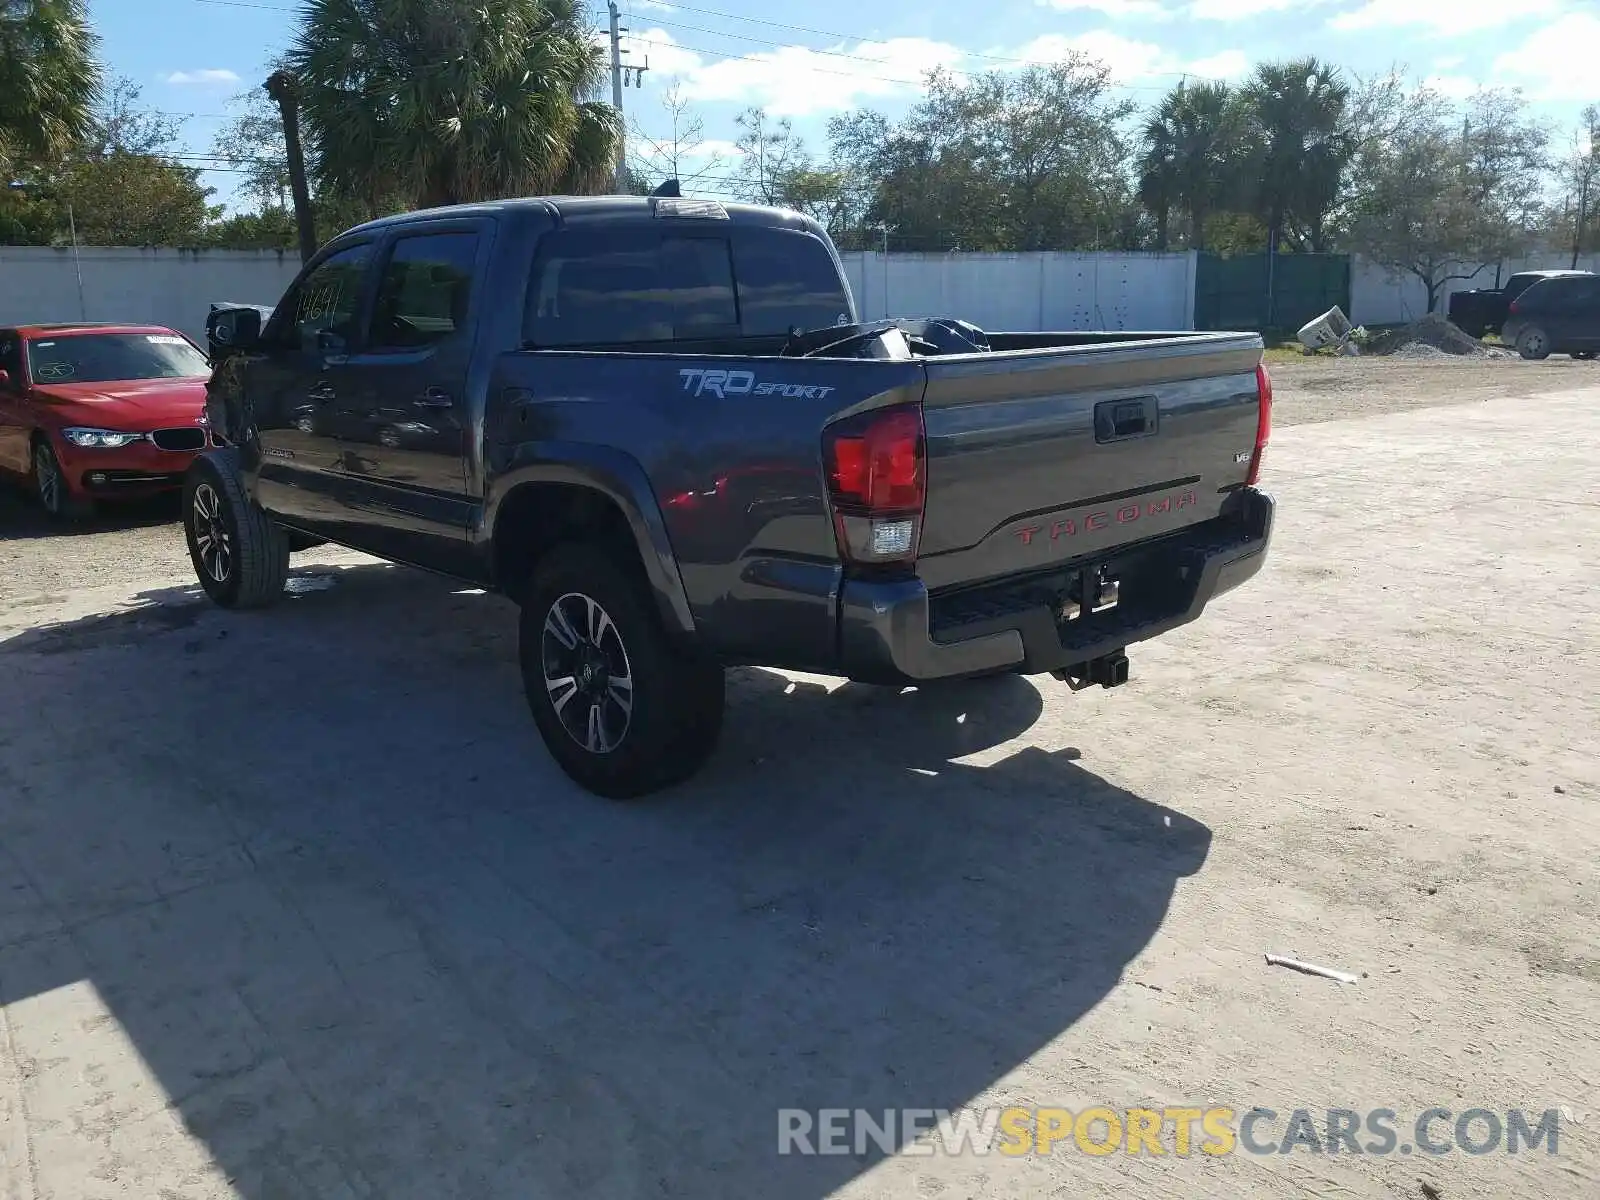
(1241, 292)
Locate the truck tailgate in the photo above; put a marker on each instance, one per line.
(1036, 457)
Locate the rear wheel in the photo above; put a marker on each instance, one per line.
(1533, 343)
(240, 554)
(623, 709)
(50, 485)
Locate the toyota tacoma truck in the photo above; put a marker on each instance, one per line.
(660, 426)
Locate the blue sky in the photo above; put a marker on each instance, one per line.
(192, 57)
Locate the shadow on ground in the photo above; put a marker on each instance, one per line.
(370, 943)
(21, 517)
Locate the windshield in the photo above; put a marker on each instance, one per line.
(114, 357)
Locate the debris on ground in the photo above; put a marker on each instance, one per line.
(1305, 968)
(1433, 336)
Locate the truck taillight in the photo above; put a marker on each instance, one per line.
(876, 465)
(1263, 423)
(1513, 306)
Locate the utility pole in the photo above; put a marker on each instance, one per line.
(285, 89)
(616, 97)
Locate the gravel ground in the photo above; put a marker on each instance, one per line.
(294, 904)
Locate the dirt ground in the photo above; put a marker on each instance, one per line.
(294, 904)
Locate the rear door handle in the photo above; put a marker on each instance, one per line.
(436, 397)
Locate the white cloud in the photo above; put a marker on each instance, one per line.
(1148, 9)
(1557, 62)
(1129, 60)
(205, 75)
(1133, 62)
(795, 81)
(1230, 64)
(1444, 17)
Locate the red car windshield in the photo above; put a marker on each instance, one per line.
(113, 357)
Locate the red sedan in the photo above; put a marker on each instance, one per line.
(91, 412)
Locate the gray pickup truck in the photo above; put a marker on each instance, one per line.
(660, 427)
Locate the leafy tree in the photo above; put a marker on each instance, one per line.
(1297, 146)
(1418, 210)
(121, 181)
(1504, 162)
(137, 200)
(445, 101)
(1193, 155)
(1578, 177)
(49, 79)
(1027, 160)
(252, 144)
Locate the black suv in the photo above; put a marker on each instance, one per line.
(1559, 315)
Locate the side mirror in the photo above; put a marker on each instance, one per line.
(329, 342)
(234, 329)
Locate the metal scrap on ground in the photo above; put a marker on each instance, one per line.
(1295, 964)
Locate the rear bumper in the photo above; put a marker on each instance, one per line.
(898, 633)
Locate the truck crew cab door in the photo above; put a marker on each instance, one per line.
(404, 415)
(293, 382)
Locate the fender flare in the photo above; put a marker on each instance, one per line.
(617, 476)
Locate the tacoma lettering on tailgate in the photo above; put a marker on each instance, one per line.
(1123, 514)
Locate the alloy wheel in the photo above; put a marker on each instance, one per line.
(587, 673)
(47, 476)
(212, 541)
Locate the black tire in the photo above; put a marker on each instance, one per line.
(50, 485)
(240, 554)
(1533, 343)
(673, 715)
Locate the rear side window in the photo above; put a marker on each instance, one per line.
(1579, 293)
(627, 286)
(788, 280)
(423, 295)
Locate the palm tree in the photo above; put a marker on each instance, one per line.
(1299, 144)
(1191, 161)
(444, 101)
(49, 79)
(1157, 184)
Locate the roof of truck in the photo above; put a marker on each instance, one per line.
(587, 208)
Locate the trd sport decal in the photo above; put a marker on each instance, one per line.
(699, 381)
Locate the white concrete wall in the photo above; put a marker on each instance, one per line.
(1024, 292)
(159, 287)
(1016, 292)
(1377, 298)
